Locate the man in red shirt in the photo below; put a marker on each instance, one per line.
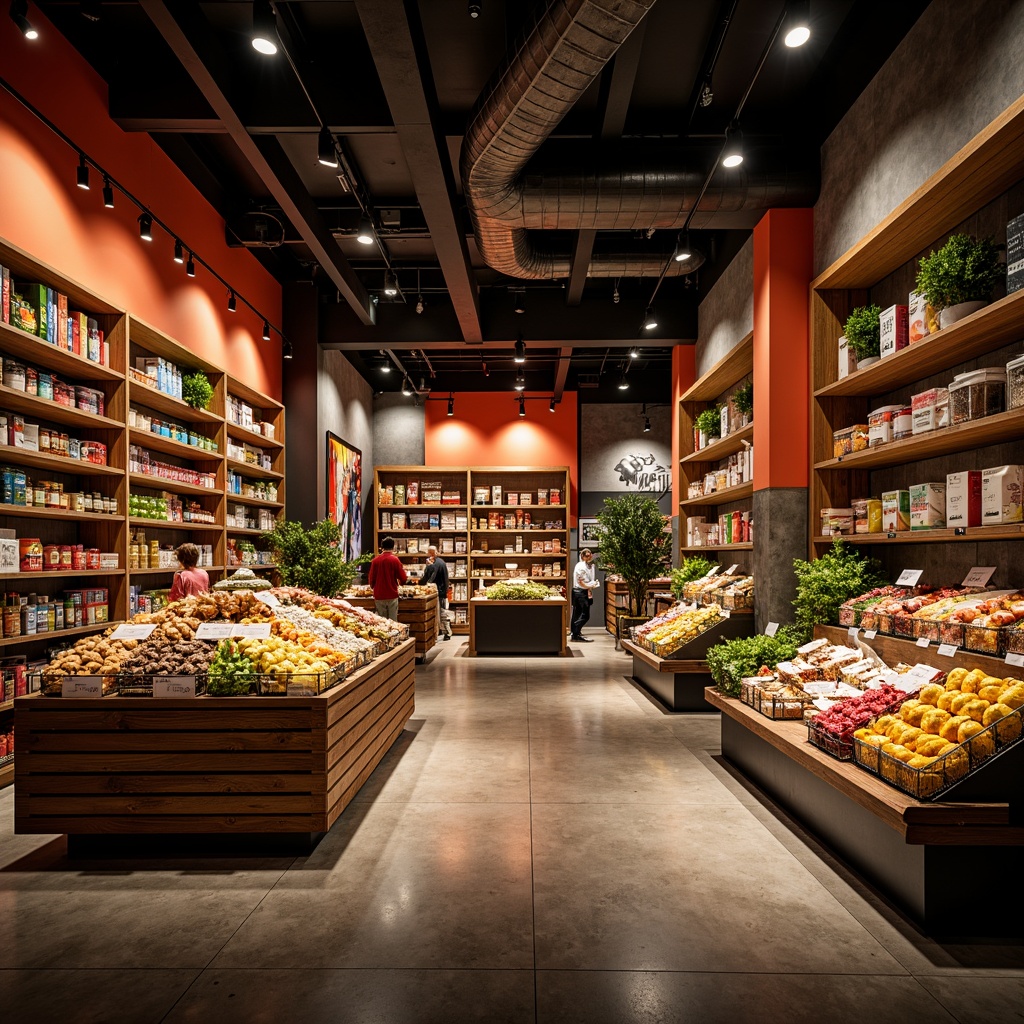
(386, 573)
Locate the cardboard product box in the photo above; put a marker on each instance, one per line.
(894, 326)
(398, 520)
(881, 425)
(927, 506)
(451, 498)
(1015, 254)
(542, 495)
(895, 511)
(511, 497)
(111, 560)
(922, 320)
(1002, 489)
(399, 494)
(94, 613)
(385, 520)
(929, 410)
(412, 493)
(525, 498)
(496, 494)
(430, 492)
(10, 557)
(555, 496)
(963, 499)
(27, 437)
(847, 358)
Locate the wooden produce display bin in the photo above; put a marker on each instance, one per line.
(205, 766)
(418, 613)
(616, 601)
(518, 627)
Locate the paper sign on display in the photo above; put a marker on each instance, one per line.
(1015, 659)
(909, 577)
(822, 703)
(870, 634)
(214, 630)
(852, 632)
(771, 629)
(267, 598)
(732, 568)
(82, 686)
(128, 631)
(948, 650)
(256, 630)
(979, 576)
(300, 690)
(174, 686)
(922, 641)
(908, 683)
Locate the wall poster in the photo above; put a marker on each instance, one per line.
(345, 493)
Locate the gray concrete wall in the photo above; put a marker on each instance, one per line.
(612, 436)
(727, 313)
(399, 431)
(957, 69)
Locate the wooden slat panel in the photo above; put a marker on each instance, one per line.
(300, 782)
(353, 713)
(162, 762)
(51, 715)
(366, 726)
(118, 742)
(50, 805)
(141, 824)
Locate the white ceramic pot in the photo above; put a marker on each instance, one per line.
(950, 315)
(867, 361)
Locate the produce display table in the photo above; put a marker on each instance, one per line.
(418, 613)
(913, 851)
(208, 765)
(616, 601)
(518, 627)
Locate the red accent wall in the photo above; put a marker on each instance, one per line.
(486, 431)
(44, 213)
(684, 373)
(783, 266)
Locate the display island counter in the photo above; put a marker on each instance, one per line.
(518, 627)
(204, 767)
(418, 613)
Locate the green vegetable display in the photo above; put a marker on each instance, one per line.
(729, 662)
(230, 672)
(693, 568)
(519, 592)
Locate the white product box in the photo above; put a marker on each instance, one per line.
(1001, 493)
(847, 358)
(963, 499)
(109, 560)
(927, 506)
(893, 326)
(895, 511)
(27, 437)
(930, 410)
(10, 559)
(881, 425)
(692, 522)
(922, 320)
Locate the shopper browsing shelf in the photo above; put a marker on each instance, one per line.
(386, 575)
(584, 581)
(189, 580)
(436, 572)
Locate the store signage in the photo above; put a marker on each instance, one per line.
(948, 650)
(771, 629)
(1015, 659)
(174, 686)
(82, 686)
(301, 690)
(922, 641)
(852, 632)
(732, 568)
(822, 703)
(256, 630)
(979, 576)
(214, 630)
(267, 598)
(128, 631)
(909, 577)
(870, 634)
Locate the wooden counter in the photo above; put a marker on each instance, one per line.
(418, 613)
(518, 627)
(207, 765)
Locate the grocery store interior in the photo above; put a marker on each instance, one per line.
(620, 723)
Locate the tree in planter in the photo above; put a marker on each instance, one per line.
(863, 331)
(196, 389)
(965, 269)
(634, 544)
(313, 558)
(709, 422)
(744, 398)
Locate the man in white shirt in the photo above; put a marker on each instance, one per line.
(584, 581)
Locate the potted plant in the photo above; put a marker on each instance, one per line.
(743, 399)
(959, 278)
(709, 424)
(313, 558)
(196, 390)
(693, 568)
(863, 334)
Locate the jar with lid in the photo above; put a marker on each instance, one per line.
(53, 489)
(45, 440)
(11, 624)
(39, 495)
(1015, 383)
(87, 505)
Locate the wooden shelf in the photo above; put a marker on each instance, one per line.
(518, 554)
(519, 531)
(56, 463)
(32, 405)
(421, 507)
(159, 483)
(57, 574)
(499, 508)
(748, 546)
(240, 433)
(427, 529)
(154, 572)
(7, 773)
(973, 534)
(28, 347)
(239, 389)
(242, 531)
(533, 579)
(30, 511)
(722, 448)
(723, 497)
(253, 472)
(147, 439)
(1005, 426)
(150, 398)
(732, 367)
(164, 524)
(96, 627)
(241, 499)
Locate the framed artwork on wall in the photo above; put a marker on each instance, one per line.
(589, 533)
(345, 493)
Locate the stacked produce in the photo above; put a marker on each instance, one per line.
(243, 579)
(360, 622)
(161, 655)
(406, 590)
(528, 591)
(675, 628)
(946, 621)
(712, 590)
(91, 656)
(833, 730)
(934, 740)
(735, 661)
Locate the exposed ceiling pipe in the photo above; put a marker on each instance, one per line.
(537, 85)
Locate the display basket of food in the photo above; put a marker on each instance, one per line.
(52, 684)
(784, 704)
(675, 631)
(832, 730)
(750, 689)
(740, 595)
(1013, 639)
(140, 684)
(300, 684)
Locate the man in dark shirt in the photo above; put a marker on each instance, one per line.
(436, 572)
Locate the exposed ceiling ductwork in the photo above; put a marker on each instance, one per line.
(552, 66)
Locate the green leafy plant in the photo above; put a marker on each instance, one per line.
(731, 661)
(709, 422)
(965, 269)
(824, 584)
(313, 558)
(196, 389)
(634, 544)
(693, 568)
(529, 591)
(863, 332)
(743, 399)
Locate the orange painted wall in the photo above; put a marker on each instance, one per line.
(45, 214)
(486, 431)
(783, 265)
(684, 373)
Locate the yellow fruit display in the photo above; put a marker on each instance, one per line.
(933, 720)
(930, 694)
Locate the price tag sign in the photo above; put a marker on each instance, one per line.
(300, 690)
(1016, 660)
(948, 650)
(922, 641)
(732, 568)
(256, 630)
(771, 629)
(822, 703)
(908, 683)
(82, 686)
(128, 631)
(214, 630)
(979, 576)
(174, 686)
(870, 634)
(909, 577)
(713, 571)
(726, 614)
(852, 632)
(267, 598)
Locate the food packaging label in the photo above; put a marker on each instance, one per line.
(1001, 495)
(880, 425)
(929, 410)
(82, 686)
(174, 686)
(847, 358)
(894, 330)
(1015, 254)
(922, 319)
(895, 511)
(963, 499)
(927, 506)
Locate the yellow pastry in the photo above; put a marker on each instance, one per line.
(1006, 722)
(914, 716)
(976, 709)
(969, 729)
(932, 746)
(930, 694)
(972, 681)
(934, 719)
(949, 730)
(955, 678)
(882, 723)
(980, 741)
(898, 751)
(947, 699)
(990, 681)
(1013, 696)
(907, 707)
(959, 703)
(919, 761)
(991, 692)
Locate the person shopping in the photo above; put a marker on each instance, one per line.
(584, 581)
(436, 572)
(189, 580)
(386, 575)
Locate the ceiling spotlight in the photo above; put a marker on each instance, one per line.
(520, 350)
(190, 266)
(522, 406)
(266, 330)
(390, 283)
(732, 154)
(364, 233)
(451, 404)
(650, 320)
(146, 227)
(406, 387)
(551, 405)
(634, 353)
(623, 383)
(83, 173)
(232, 303)
(19, 15)
(325, 151)
(264, 28)
(179, 252)
(475, 7)
(798, 28)
(420, 305)
(683, 251)
(90, 10)
(520, 304)
(286, 349)
(615, 293)
(707, 94)
(108, 194)
(520, 381)
(647, 424)
(385, 363)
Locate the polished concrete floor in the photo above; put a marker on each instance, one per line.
(543, 843)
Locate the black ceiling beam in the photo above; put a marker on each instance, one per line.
(188, 35)
(562, 371)
(395, 38)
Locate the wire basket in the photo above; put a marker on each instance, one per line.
(829, 742)
(140, 684)
(51, 684)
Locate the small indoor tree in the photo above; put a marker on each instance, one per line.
(634, 544)
(313, 558)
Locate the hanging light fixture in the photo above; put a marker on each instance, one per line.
(451, 404)
(190, 266)
(798, 23)
(650, 320)
(364, 233)
(232, 303)
(520, 303)
(647, 424)
(83, 173)
(623, 383)
(390, 283)
(520, 350)
(179, 251)
(108, 193)
(406, 387)
(732, 154)
(420, 304)
(551, 406)
(146, 227)
(266, 330)
(520, 381)
(634, 353)
(683, 251)
(19, 15)
(615, 292)
(325, 150)
(522, 406)
(286, 349)
(264, 28)
(475, 7)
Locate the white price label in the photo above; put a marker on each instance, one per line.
(948, 650)
(174, 686)
(909, 577)
(726, 614)
(256, 630)
(852, 632)
(908, 683)
(979, 576)
(732, 568)
(128, 631)
(771, 629)
(870, 634)
(822, 703)
(214, 630)
(713, 571)
(1016, 660)
(267, 598)
(300, 690)
(82, 686)
(922, 641)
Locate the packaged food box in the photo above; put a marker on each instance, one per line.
(850, 439)
(930, 410)
(927, 506)
(893, 330)
(895, 511)
(847, 358)
(963, 499)
(903, 423)
(836, 521)
(1015, 383)
(880, 425)
(975, 395)
(1001, 495)
(922, 320)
